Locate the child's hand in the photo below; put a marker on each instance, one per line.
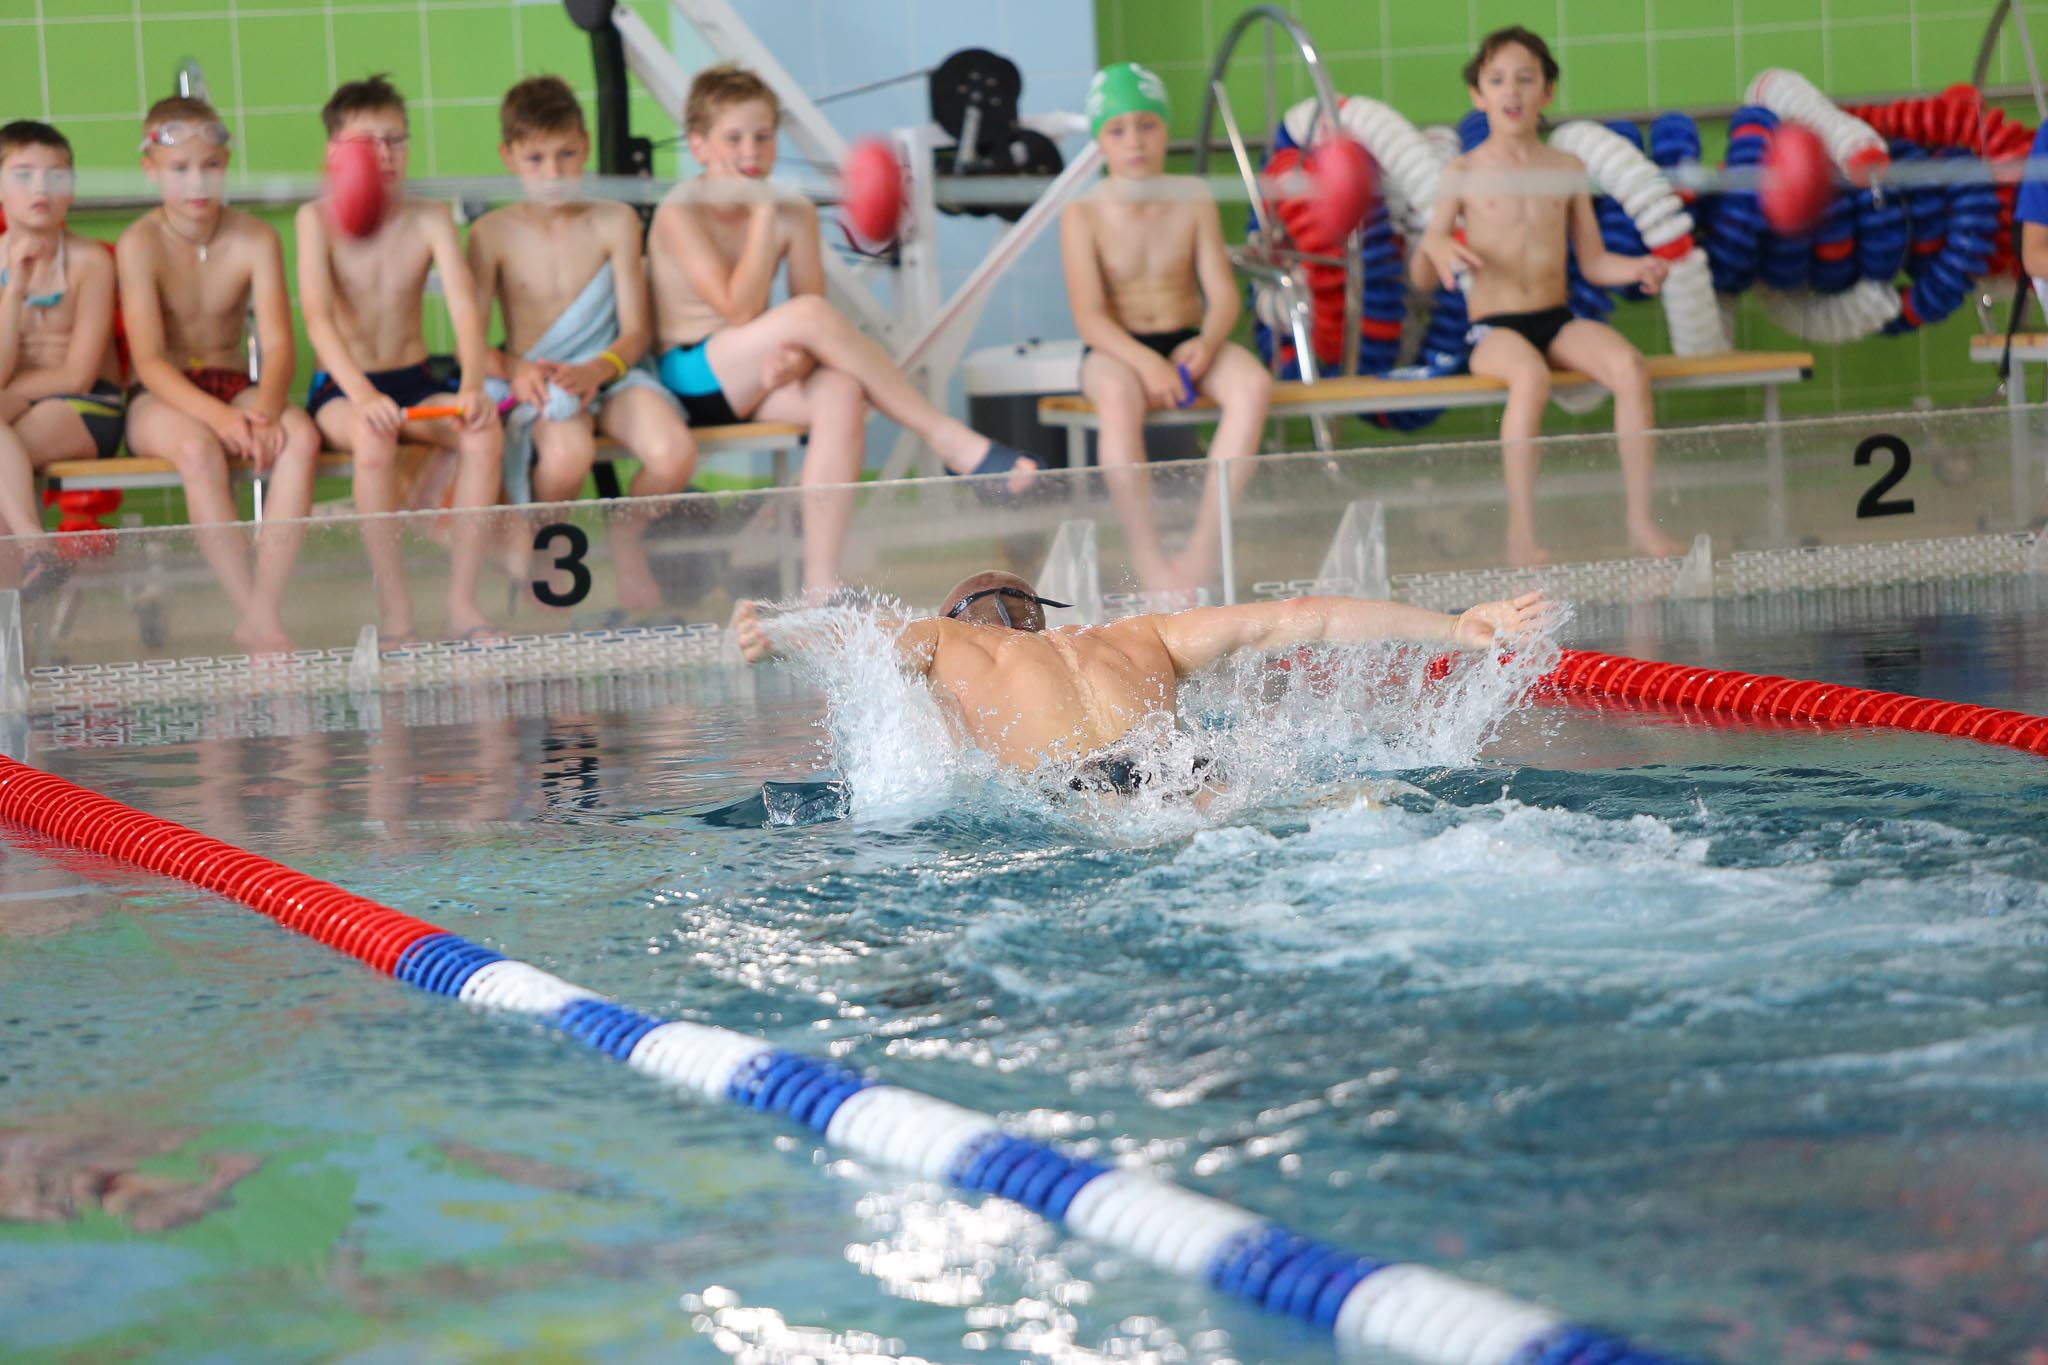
(383, 416)
(583, 380)
(530, 383)
(1449, 256)
(1195, 355)
(1651, 272)
(266, 440)
(234, 435)
(785, 365)
(747, 632)
(478, 411)
(1478, 626)
(22, 254)
(1161, 382)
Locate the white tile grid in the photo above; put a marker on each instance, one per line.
(228, 86)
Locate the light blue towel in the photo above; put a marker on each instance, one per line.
(587, 328)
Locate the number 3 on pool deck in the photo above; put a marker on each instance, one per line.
(570, 559)
(1873, 503)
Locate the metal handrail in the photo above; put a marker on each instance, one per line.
(1216, 100)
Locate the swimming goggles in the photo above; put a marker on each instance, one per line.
(173, 133)
(1002, 609)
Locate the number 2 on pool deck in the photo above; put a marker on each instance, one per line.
(1873, 503)
(570, 559)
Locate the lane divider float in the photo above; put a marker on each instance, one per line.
(1582, 671)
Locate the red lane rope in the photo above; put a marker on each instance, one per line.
(1587, 672)
(371, 933)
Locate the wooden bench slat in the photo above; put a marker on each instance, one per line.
(147, 471)
(1364, 390)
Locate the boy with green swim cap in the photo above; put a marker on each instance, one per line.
(1154, 301)
(1125, 88)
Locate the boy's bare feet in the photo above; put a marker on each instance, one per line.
(1645, 539)
(263, 635)
(1524, 551)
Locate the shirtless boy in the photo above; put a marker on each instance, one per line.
(715, 250)
(60, 391)
(362, 298)
(566, 272)
(1154, 299)
(1073, 696)
(1514, 247)
(190, 271)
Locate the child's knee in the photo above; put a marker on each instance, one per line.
(1246, 387)
(837, 390)
(668, 453)
(812, 312)
(196, 452)
(1528, 383)
(1115, 393)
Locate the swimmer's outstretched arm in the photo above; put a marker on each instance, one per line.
(1196, 639)
(916, 643)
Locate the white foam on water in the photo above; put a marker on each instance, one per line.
(886, 733)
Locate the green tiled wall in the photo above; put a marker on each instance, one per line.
(1626, 57)
(93, 66)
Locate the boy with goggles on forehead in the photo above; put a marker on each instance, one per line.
(190, 272)
(60, 394)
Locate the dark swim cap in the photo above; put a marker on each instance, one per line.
(998, 598)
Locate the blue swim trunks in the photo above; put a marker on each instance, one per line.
(686, 371)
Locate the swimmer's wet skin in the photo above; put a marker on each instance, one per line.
(1027, 696)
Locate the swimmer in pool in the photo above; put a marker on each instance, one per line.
(1029, 696)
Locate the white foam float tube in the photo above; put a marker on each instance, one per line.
(1860, 153)
(1619, 169)
(1856, 147)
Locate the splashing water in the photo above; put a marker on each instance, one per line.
(1317, 725)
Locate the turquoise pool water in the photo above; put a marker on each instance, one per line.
(1732, 1038)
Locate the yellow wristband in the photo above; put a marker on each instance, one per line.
(617, 363)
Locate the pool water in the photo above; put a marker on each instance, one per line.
(1730, 1037)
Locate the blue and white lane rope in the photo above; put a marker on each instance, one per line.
(1362, 1300)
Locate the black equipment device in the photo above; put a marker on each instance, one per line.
(974, 97)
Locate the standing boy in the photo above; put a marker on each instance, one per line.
(714, 254)
(60, 391)
(1154, 300)
(567, 274)
(190, 271)
(362, 300)
(1514, 246)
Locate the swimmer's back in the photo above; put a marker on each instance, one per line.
(1059, 693)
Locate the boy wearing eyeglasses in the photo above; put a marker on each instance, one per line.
(60, 392)
(190, 272)
(362, 299)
